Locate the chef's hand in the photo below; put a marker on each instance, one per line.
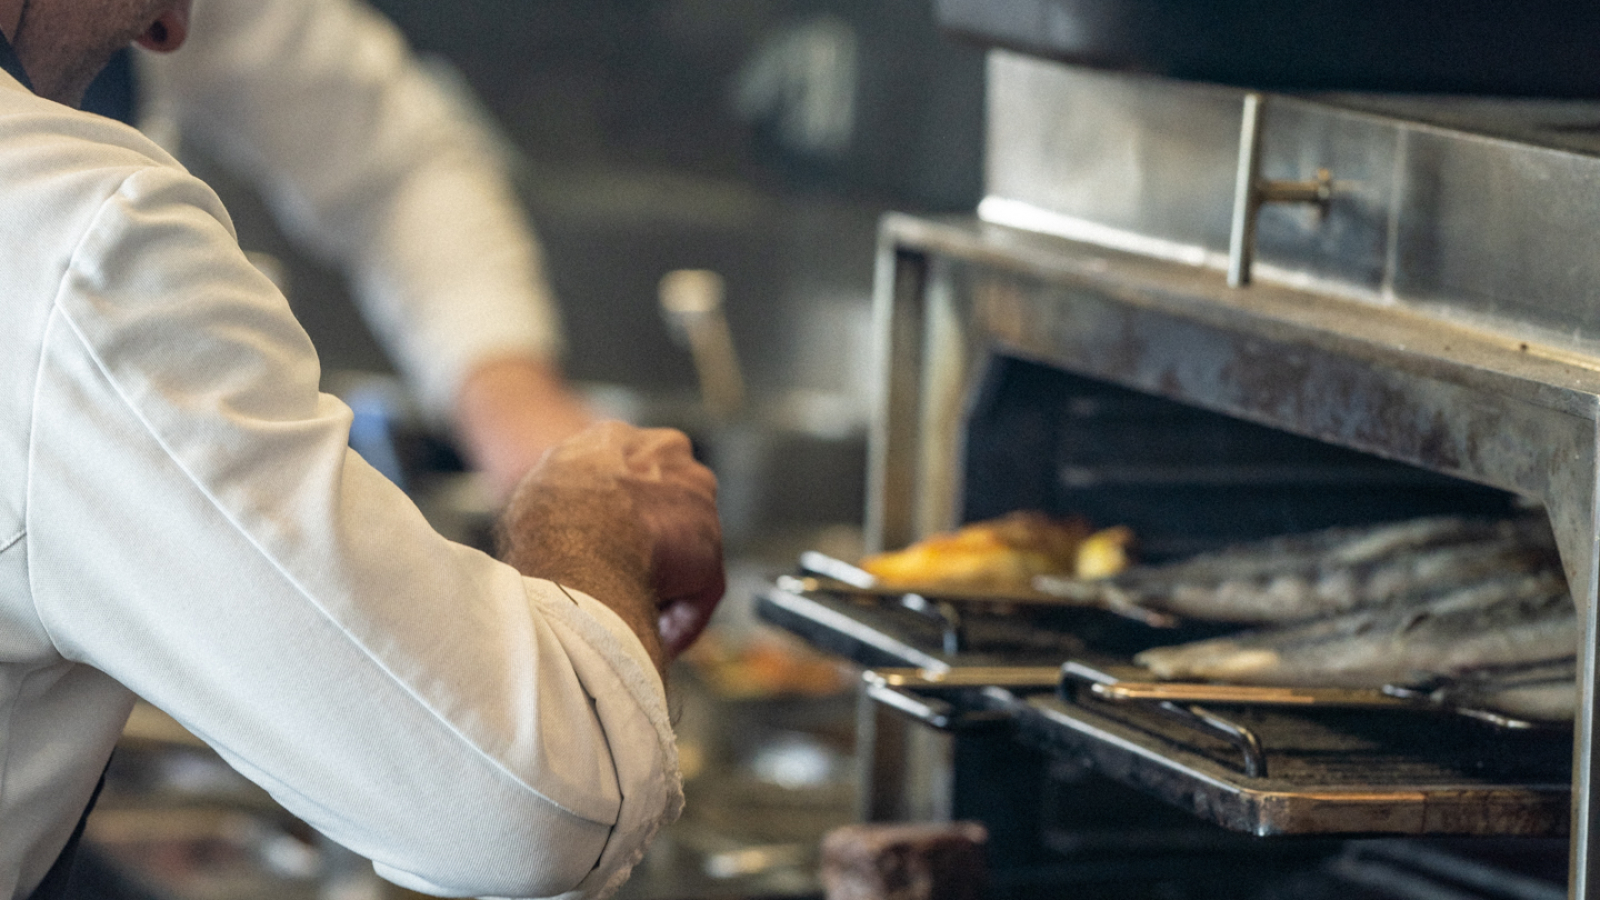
(509, 411)
(627, 516)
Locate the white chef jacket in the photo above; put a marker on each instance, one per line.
(366, 159)
(180, 518)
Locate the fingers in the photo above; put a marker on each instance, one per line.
(687, 573)
(665, 452)
(627, 493)
(688, 578)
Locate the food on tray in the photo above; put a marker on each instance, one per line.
(1104, 553)
(1516, 620)
(1332, 571)
(1542, 692)
(1477, 608)
(1003, 554)
(767, 664)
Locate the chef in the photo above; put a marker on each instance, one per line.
(181, 519)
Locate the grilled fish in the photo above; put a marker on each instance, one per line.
(1003, 554)
(1542, 692)
(1328, 572)
(1501, 622)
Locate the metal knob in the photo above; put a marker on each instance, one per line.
(1251, 191)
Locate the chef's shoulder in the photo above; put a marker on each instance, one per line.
(60, 166)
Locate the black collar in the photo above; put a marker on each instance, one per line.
(12, 65)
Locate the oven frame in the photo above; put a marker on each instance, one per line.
(1382, 379)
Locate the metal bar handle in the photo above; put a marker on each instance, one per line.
(1250, 191)
(930, 711)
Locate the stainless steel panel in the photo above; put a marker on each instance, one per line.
(1143, 157)
(1480, 212)
(1349, 243)
(1501, 230)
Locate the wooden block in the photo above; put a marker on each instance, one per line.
(900, 861)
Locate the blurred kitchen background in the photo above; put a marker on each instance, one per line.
(760, 139)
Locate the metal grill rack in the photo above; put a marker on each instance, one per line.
(1263, 771)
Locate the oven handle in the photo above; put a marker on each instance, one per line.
(887, 686)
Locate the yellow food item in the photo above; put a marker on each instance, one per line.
(1004, 554)
(1104, 553)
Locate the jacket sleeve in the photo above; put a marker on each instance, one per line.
(198, 530)
(367, 160)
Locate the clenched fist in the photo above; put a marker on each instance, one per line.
(627, 516)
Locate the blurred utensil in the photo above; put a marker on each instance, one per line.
(691, 299)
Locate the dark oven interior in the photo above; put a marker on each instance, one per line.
(1184, 479)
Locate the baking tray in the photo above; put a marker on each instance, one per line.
(1322, 771)
(894, 629)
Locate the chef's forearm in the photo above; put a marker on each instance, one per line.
(509, 411)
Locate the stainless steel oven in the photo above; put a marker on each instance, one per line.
(1217, 315)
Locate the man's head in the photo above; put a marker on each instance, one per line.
(63, 44)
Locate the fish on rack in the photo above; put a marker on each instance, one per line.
(1507, 621)
(1545, 691)
(1324, 573)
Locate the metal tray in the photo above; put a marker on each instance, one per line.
(876, 630)
(1331, 771)
(1262, 770)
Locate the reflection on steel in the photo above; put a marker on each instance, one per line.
(971, 677)
(837, 569)
(1249, 695)
(951, 624)
(692, 301)
(1246, 199)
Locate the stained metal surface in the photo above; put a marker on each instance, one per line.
(1384, 380)
(1130, 157)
